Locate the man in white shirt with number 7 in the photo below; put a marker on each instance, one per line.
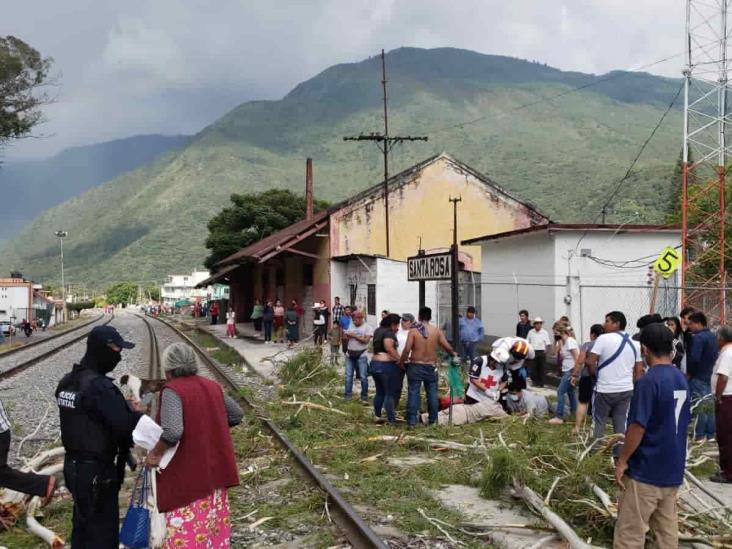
(651, 466)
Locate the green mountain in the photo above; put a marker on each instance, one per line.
(565, 152)
(38, 185)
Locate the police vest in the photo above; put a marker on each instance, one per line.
(83, 436)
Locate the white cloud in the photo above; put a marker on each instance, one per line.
(175, 65)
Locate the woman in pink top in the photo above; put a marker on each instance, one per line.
(279, 322)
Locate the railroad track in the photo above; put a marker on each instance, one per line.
(32, 344)
(15, 366)
(353, 527)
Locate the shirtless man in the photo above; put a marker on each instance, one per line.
(420, 357)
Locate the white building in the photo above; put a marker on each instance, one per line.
(180, 287)
(22, 299)
(581, 271)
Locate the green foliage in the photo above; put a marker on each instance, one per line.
(122, 293)
(22, 72)
(80, 306)
(504, 466)
(252, 217)
(307, 368)
(565, 155)
(153, 293)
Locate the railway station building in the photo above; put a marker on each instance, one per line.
(342, 252)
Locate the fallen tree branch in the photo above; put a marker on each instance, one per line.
(436, 524)
(314, 406)
(440, 444)
(535, 502)
(696, 482)
(604, 498)
(35, 432)
(34, 527)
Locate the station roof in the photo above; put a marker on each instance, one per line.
(620, 228)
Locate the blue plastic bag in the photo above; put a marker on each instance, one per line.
(135, 532)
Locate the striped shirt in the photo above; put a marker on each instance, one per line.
(4, 421)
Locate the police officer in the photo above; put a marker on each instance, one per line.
(96, 430)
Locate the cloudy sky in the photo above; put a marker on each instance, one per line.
(127, 67)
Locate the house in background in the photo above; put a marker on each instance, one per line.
(24, 299)
(180, 287)
(581, 271)
(342, 251)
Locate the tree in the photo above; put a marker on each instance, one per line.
(122, 293)
(23, 71)
(153, 293)
(252, 217)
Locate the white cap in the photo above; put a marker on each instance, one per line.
(316, 305)
(500, 355)
(538, 319)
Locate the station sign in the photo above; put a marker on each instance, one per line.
(430, 267)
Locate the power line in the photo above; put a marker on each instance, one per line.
(603, 210)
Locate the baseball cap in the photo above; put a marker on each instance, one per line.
(538, 319)
(409, 317)
(108, 335)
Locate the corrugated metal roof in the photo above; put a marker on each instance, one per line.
(574, 227)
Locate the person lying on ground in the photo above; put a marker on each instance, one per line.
(521, 401)
(467, 413)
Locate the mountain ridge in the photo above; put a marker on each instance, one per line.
(564, 153)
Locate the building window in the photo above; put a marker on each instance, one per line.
(371, 299)
(307, 275)
(352, 301)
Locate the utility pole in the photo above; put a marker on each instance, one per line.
(61, 235)
(455, 265)
(385, 143)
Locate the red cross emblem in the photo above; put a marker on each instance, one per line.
(489, 382)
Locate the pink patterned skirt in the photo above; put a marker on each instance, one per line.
(203, 524)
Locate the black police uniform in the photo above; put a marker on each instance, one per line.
(96, 430)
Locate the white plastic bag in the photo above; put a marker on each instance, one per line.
(158, 527)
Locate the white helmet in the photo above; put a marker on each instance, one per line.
(500, 355)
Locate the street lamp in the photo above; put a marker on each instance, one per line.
(61, 235)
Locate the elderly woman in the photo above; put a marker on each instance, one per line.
(192, 489)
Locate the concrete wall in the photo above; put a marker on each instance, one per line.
(517, 273)
(597, 289)
(544, 273)
(420, 208)
(396, 294)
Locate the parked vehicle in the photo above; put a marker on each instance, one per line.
(7, 328)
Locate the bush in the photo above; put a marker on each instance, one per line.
(80, 306)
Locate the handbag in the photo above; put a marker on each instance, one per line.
(135, 532)
(158, 526)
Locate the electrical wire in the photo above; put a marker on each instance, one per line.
(622, 180)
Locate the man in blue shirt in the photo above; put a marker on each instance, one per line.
(471, 333)
(700, 361)
(650, 468)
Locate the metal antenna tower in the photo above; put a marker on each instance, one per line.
(704, 215)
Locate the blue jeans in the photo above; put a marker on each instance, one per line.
(416, 375)
(468, 350)
(566, 388)
(361, 365)
(386, 379)
(704, 421)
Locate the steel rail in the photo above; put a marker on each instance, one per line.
(32, 344)
(43, 356)
(154, 371)
(359, 534)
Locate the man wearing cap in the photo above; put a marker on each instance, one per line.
(539, 341)
(471, 333)
(96, 431)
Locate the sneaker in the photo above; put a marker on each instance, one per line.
(379, 420)
(720, 478)
(556, 421)
(712, 440)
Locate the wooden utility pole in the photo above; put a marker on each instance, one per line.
(385, 142)
(455, 294)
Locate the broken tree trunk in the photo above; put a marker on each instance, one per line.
(533, 500)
